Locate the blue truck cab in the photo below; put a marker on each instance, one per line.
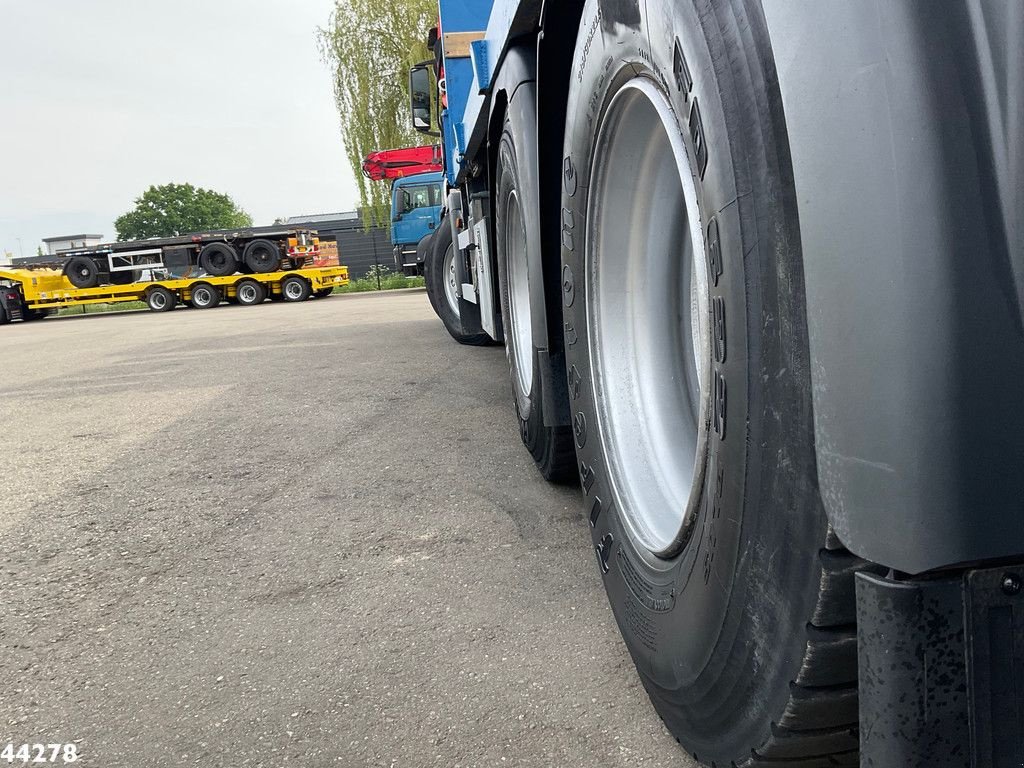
(415, 214)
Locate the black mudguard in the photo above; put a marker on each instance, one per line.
(906, 129)
(514, 96)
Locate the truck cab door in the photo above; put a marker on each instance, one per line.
(416, 211)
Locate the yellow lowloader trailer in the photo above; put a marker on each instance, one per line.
(28, 294)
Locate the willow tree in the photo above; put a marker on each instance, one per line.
(371, 44)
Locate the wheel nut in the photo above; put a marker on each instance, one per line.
(1011, 584)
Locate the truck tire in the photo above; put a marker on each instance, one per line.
(552, 448)
(160, 299)
(249, 293)
(295, 288)
(688, 372)
(204, 296)
(218, 259)
(439, 273)
(262, 256)
(82, 272)
(4, 317)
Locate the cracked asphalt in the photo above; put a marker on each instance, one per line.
(294, 535)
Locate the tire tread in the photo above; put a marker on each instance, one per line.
(820, 726)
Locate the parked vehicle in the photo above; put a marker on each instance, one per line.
(757, 266)
(29, 294)
(258, 250)
(417, 194)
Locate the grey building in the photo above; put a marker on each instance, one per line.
(55, 245)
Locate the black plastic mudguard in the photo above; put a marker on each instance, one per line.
(906, 133)
(942, 670)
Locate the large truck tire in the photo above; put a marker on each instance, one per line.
(439, 273)
(82, 272)
(689, 381)
(160, 299)
(295, 288)
(204, 296)
(219, 259)
(250, 292)
(552, 448)
(262, 256)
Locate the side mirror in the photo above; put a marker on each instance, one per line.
(419, 91)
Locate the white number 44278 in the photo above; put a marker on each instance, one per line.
(39, 753)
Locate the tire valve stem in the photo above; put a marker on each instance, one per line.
(1011, 584)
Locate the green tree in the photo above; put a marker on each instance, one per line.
(371, 44)
(177, 209)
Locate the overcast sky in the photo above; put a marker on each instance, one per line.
(101, 98)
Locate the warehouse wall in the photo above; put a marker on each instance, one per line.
(360, 251)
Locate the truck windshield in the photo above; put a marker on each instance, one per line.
(424, 196)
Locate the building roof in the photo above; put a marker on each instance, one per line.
(62, 238)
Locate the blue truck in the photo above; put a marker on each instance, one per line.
(416, 203)
(758, 267)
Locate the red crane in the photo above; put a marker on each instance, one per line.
(399, 163)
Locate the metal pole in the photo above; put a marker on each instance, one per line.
(376, 260)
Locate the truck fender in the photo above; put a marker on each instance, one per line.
(905, 127)
(515, 98)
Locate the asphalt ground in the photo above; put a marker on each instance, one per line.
(294, 535)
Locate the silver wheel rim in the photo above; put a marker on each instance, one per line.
(648, 316)
(202, 297)
(451, 292)
(518, 279)
(293, 290)
(247, 294)
(158, 300)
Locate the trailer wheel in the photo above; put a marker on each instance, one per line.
(249, 293)
(4, 317)
(688, 370)
(295, 288)
(440, 275)
(518, 259)
(218, 259)
(204, 296)
(160, 299)
(262, 256)
(82, 272)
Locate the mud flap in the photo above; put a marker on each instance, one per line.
(942, 670)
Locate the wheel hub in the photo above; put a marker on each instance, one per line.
(521, 332)
(451, 286)
(648, 316)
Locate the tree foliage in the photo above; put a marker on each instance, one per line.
(174, 209)
(371, 44)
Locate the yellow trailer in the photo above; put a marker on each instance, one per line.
(29, 293)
